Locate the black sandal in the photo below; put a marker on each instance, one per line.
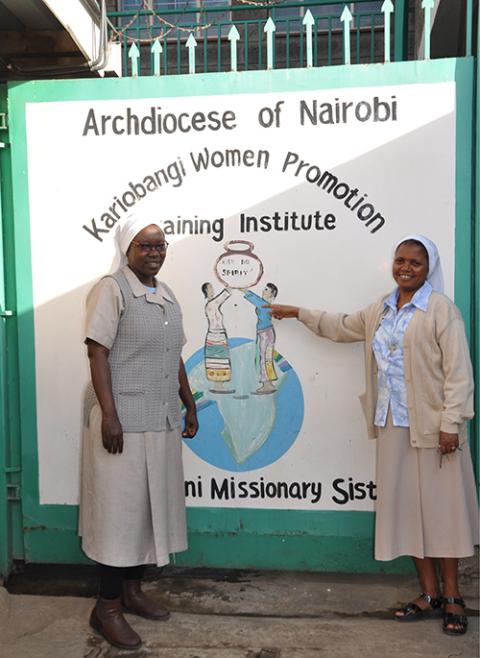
(452, 619)
(413, 612)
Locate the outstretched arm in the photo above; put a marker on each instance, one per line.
(339, 327)
(253, 298)
(223, 296)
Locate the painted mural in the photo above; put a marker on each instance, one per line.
(287, 195)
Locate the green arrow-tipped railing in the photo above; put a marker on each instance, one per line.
(288, 35)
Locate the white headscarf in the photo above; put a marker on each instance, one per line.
(435, 274)
(124, 236)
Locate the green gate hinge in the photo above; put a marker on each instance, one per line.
(3, 126)
(7, 314)
(13, 492)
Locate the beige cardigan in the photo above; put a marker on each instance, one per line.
(438, 371)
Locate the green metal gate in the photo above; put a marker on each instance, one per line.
(11, 533)
(261, 538)
(322, 540)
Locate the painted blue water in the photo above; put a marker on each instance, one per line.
(242, 431)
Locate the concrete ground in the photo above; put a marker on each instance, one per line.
(242, 614)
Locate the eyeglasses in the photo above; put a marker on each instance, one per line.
(147, 247)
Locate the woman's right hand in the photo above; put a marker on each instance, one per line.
(280, 311)
(112, 431)
(112, 434)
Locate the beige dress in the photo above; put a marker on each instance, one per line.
(423, 509)
(132, 506)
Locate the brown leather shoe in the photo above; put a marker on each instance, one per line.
(108, 620)
(135, 601)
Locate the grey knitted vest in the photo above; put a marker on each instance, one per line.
(144, 361)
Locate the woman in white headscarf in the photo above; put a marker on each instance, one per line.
(419, 396)
(132, 507)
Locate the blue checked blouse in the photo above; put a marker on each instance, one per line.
(388, 349)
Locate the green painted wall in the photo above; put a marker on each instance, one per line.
(328, 541)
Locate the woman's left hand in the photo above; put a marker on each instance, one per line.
(447, 443)
(191, 424)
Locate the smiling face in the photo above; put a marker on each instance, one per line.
(143, 260)
(410, 267)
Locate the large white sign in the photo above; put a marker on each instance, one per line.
(297, 194)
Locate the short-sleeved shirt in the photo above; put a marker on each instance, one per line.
(264, 319)
(104, 308)
(143, 332)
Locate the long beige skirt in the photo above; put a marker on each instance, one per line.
(132, 506)
(422, 509)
